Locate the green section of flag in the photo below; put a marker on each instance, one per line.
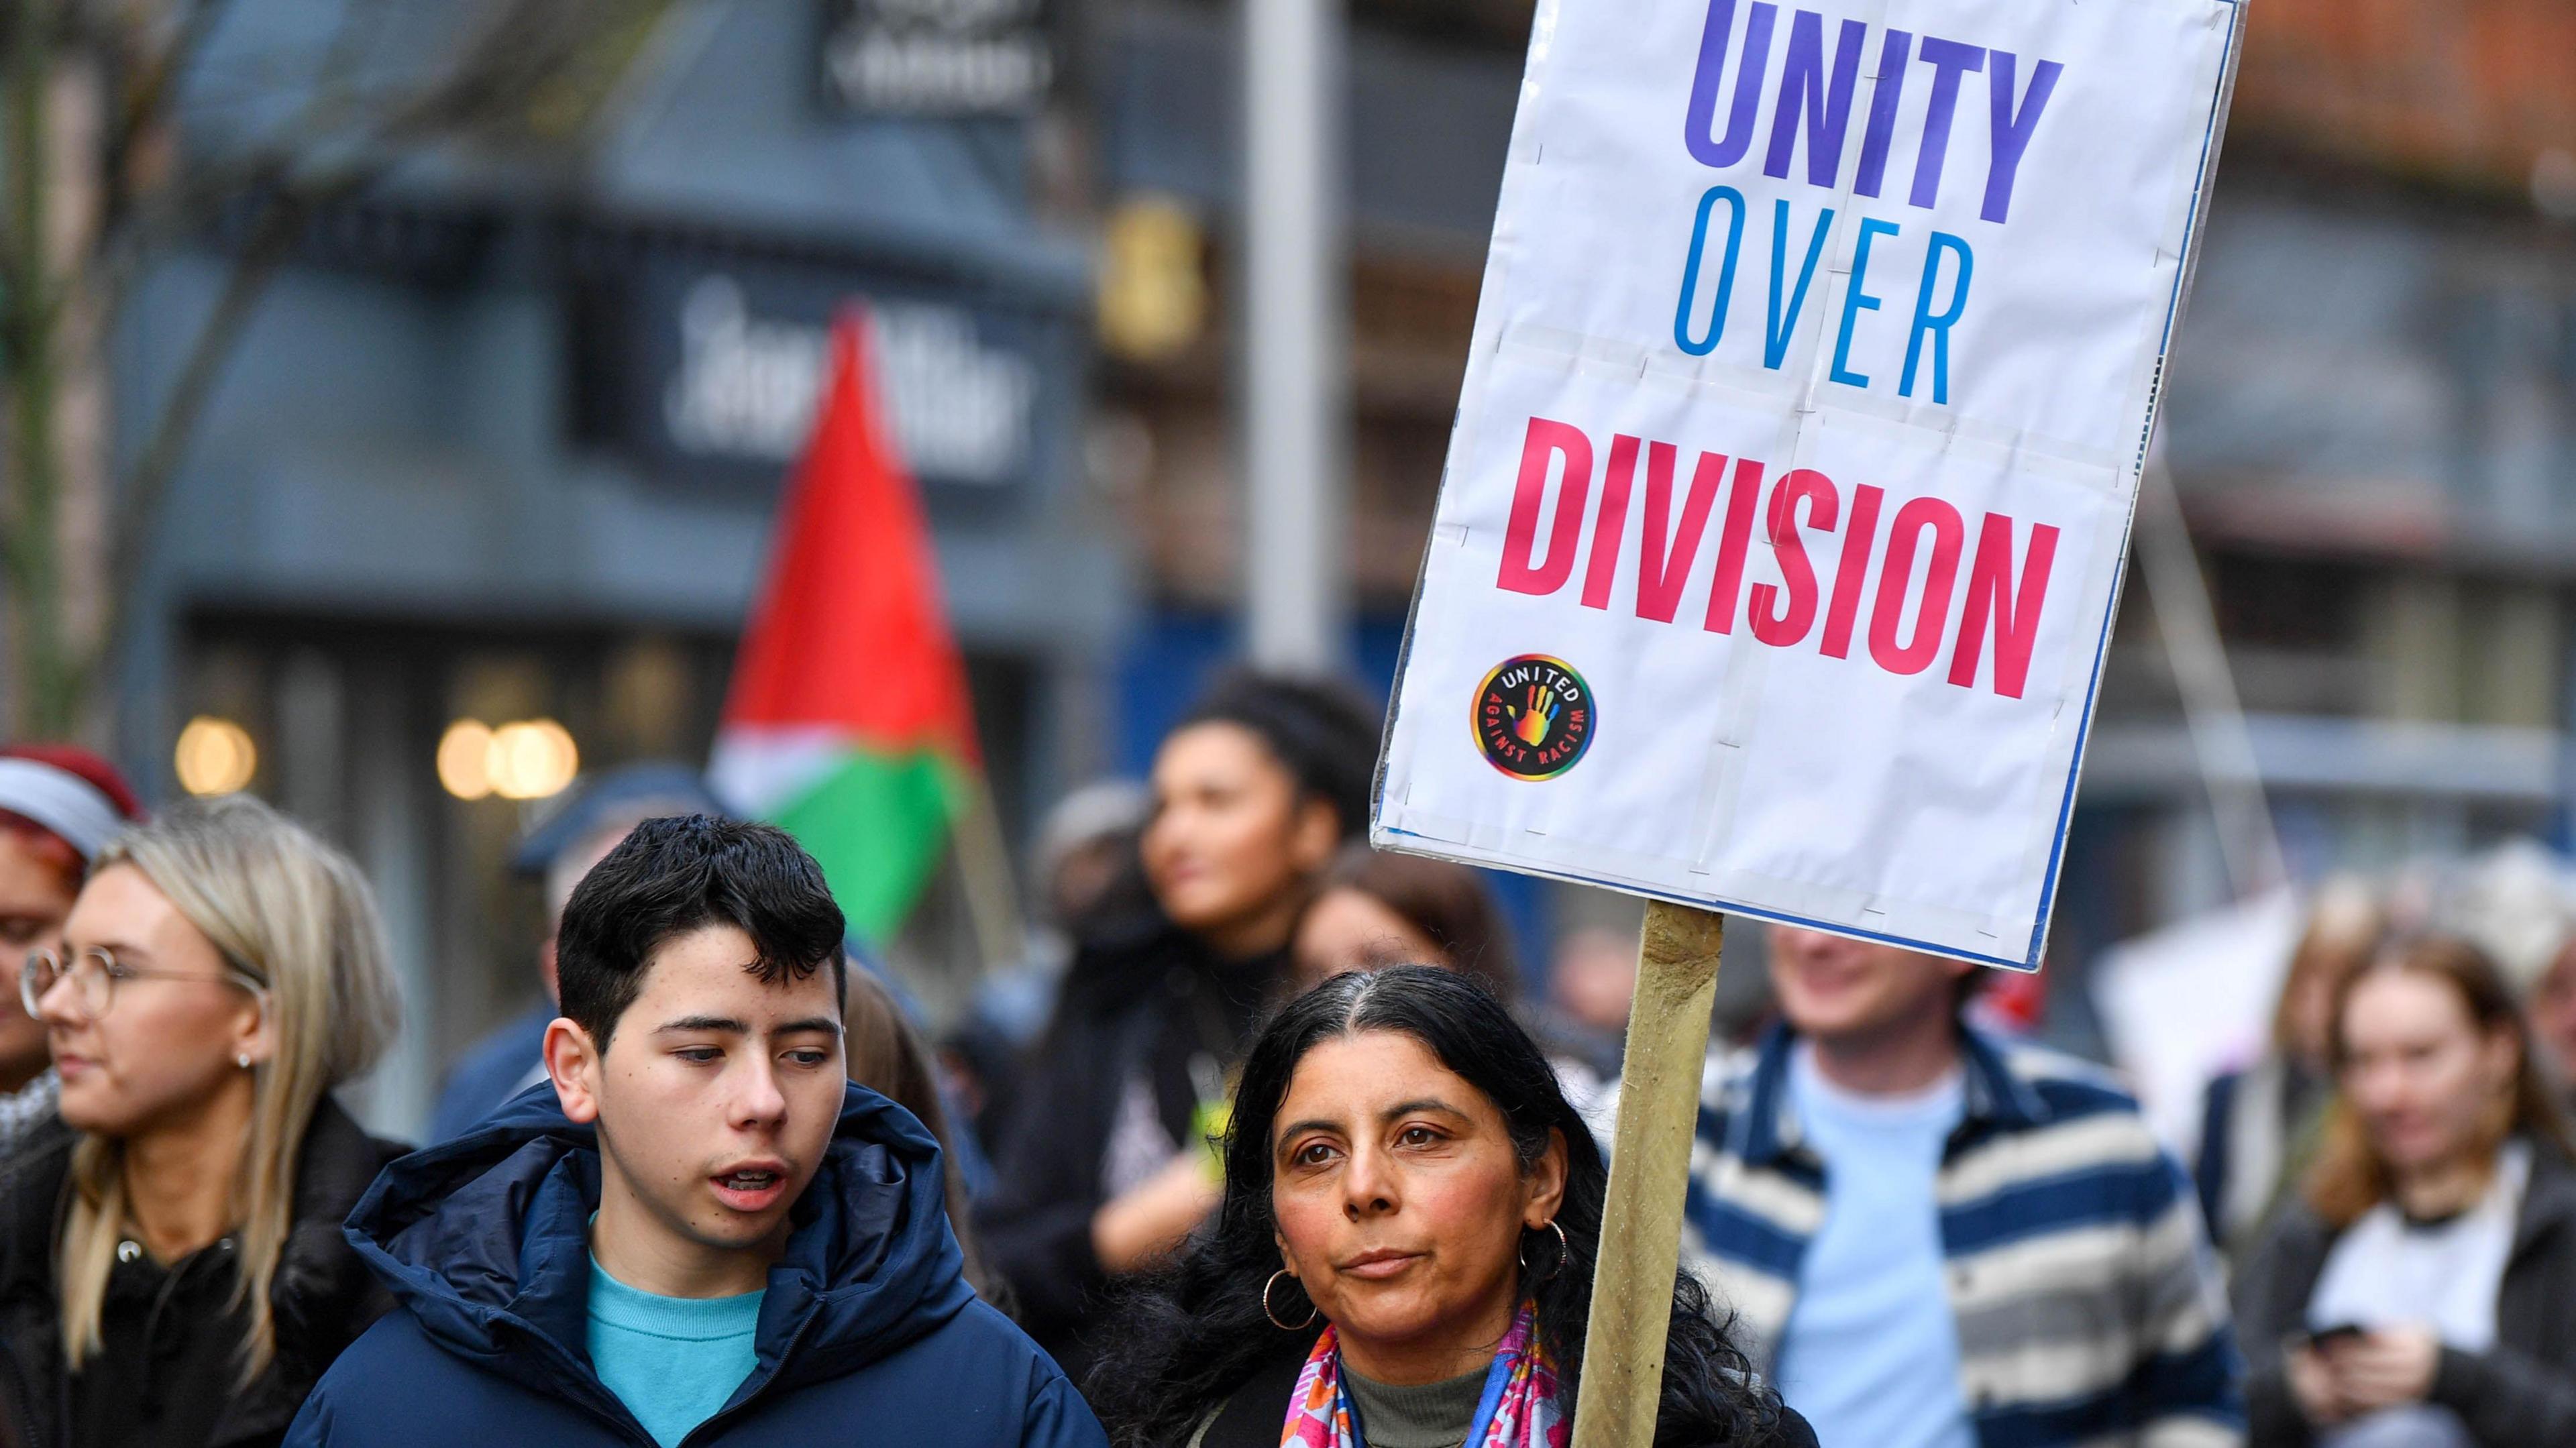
(876, 826)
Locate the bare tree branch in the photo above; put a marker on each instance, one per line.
(522, 71)
(147, 487)
(147, 103)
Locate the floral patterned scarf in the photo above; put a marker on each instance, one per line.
(1519, 1408)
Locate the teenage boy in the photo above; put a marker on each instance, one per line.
(1936, 1240)
(699, 1232)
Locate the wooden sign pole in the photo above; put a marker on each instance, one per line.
(1641, 1225)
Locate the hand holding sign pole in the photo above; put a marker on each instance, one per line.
(1788, 498)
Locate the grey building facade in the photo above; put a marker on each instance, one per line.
(503, 436)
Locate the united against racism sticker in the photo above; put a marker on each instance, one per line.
(1533, 717)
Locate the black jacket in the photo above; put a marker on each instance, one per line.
(1146, 1001)
(168, 1375)
(2519, 1394)
(868, 1331)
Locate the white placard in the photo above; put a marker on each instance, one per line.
(1784, 513)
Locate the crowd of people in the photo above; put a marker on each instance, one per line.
(1279, 1151)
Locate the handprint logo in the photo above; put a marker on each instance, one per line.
(1532, 720)
(1534, 717)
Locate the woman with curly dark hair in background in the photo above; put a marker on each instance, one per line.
(1403, 1256)
(1101, 1170)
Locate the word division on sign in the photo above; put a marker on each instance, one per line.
(1786, 506)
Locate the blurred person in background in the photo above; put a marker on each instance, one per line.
(1104, 1166)
(1086, 848)
(59, 806)
(1085, 851)
(1405, 1252)
(172, 1273)
(888, 1056)
(2551, 1006)
(2259, 1126)
(1592, 977)
(2517, 903)
(560, 849)
(1379, 908)
(1935, 1240)
(2421, 1290)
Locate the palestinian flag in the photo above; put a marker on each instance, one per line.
(849, 723)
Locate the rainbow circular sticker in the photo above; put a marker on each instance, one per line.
(1533, 717)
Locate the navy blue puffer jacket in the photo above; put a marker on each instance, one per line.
(868, 1334)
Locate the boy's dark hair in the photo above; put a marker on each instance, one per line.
(674, 875)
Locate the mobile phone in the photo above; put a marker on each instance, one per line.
(2340, 1332)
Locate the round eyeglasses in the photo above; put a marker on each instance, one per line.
(95, 974)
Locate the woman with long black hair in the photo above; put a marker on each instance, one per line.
(1403, 1255)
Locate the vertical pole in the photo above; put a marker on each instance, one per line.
(1296, 309)
(2248, 840)
(389, 835)
(1641, 1224)
(984, 868)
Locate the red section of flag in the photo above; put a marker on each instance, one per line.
(2013, 1002)
(849, 630)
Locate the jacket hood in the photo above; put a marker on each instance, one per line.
(485, 1240)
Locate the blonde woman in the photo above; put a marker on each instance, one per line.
(172, 1273)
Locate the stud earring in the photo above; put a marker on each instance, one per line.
(242, 1060)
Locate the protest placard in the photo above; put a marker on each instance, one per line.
(1787, 502)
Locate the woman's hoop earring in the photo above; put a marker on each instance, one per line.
(1564, 1253)
(1268, 1312)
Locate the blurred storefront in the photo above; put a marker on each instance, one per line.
(501, 444)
